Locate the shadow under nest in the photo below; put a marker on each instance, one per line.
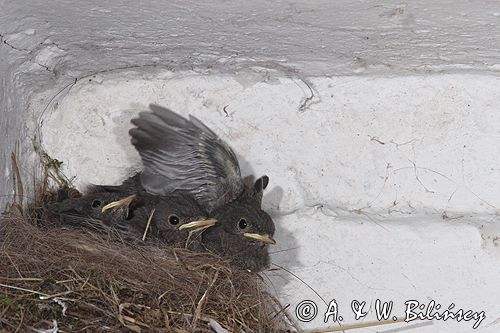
(55, 279)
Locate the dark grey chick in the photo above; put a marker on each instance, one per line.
(174, 220)
(166, 219)
(94, 210)
(243, 231)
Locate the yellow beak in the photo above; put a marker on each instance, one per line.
(198, 224)
(263, 238)
(122, 202)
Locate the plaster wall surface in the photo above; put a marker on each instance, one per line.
(376, 121)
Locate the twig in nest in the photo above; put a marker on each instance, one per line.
(21, 279)
(64, 293)
(202, 318)
(197, 312)
(14, 265)
(22, 289)
(281, 311)
(55, 165)
(135, 324)
(20, 320)
(18, 180)
(147, 224)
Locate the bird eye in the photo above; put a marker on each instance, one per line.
(96, 203)
(173, 219)
(242, 224)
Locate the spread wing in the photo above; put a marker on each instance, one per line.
(131, 185)
(184, 155)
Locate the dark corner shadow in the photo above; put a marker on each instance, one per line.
(285, 254)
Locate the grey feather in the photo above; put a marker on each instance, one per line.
(184, 155)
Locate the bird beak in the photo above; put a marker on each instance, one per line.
(123, 202)
(198, 224)
(263, 238)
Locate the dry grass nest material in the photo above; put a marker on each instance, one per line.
(63, 280)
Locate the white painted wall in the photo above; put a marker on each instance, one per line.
(377, 123)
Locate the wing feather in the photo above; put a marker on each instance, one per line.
(181, 154)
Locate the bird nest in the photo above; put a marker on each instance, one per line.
(65, 280)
